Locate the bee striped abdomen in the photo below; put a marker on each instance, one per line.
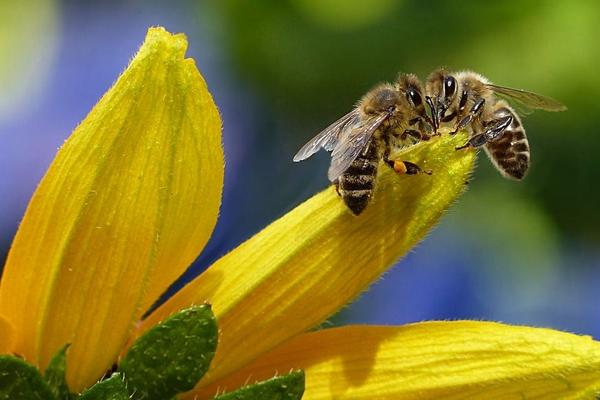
(356, 184)
(510, 153)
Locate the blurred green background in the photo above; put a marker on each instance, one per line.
(282, 70)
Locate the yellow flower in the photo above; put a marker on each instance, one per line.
(132, 198)
(128, 203)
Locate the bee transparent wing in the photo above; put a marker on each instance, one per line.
(529, 99)
(352, 142)
(521, 109)
(327, 138)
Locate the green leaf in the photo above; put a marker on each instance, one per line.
(21, 381)
(171, 357)
(112, 388)
(55, 374)
(286, 387)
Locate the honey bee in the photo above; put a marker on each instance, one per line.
(387, 116)
(471, 101)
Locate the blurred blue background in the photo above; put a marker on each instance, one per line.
(523, 253)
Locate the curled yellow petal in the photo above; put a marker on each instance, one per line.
(129, 201)
(309, 263)
(7, 335)
(433, 360)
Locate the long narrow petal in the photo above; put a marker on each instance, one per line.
(7, 335)
(433, 360)
(129, 201)
(309, 263)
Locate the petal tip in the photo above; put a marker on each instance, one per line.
(157, 36)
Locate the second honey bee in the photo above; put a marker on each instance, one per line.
(389, 115)
(468, 100)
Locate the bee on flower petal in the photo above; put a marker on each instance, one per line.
(387, 117)
(468, 100)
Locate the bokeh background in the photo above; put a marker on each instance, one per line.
(523, 253)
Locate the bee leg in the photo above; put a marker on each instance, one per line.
(406, 167)
(413, 169)
(424, 124)
(497, 129)
(475, 111)
(414, 134)
(449, 117)
(336, 183)
(475, 141)
(426, 131)
(494, 132)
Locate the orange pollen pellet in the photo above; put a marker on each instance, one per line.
(400, 167)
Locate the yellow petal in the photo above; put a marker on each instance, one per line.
(129, 201)
(309, 263)
(433, 360)
(7, 335)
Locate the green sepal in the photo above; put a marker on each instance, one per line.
(112, 388)
(22, 381)
(55, 375)
(172, 356)
(285, 387)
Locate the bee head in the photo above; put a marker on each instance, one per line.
(411, 88)
(442, 87)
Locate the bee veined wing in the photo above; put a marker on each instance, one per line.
(351, 144)
(327, 138)
(529, 99)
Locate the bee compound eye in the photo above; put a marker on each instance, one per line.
(414, 97)
(449, 86)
